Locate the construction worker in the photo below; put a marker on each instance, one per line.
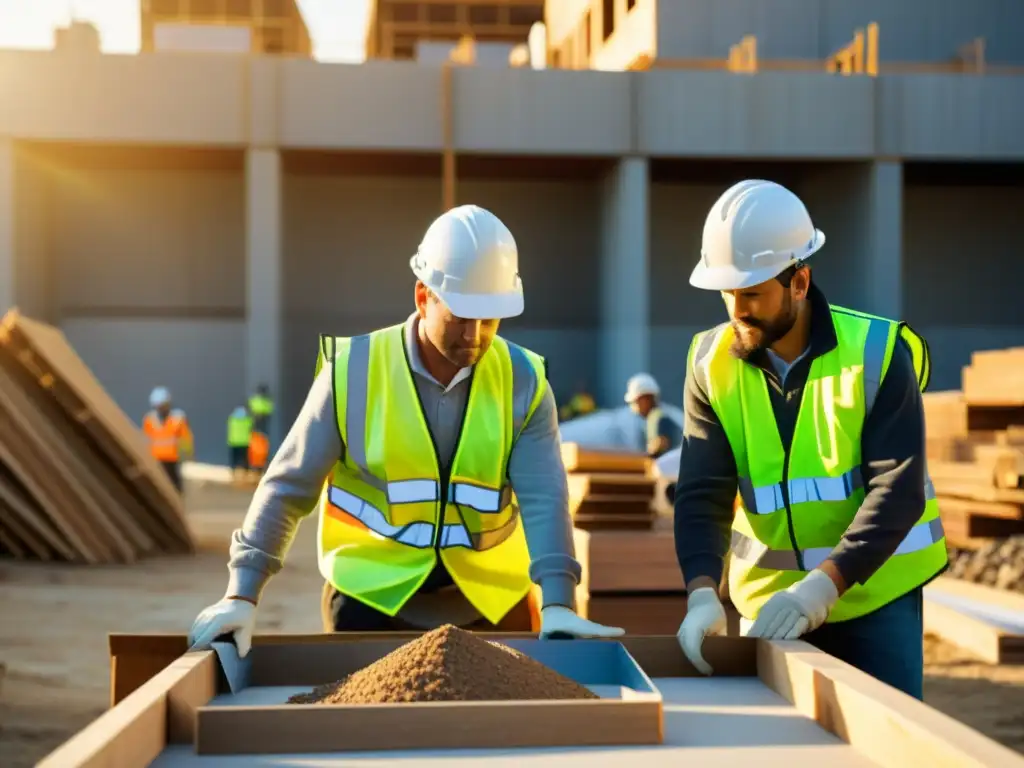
(170, 437)
(437, 421)
(239, 436)
(811, 414)
(580, 404)
(661, 433)
(261, 406)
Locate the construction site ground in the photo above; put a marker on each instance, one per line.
(55, 621)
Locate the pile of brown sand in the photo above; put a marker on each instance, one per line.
(448, 664)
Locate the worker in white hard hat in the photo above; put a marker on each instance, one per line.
(808, 417)
(169, 434)
(661, 433)
(430, 450)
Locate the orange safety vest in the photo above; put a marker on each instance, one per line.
(166, 437)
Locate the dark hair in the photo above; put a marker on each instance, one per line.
(786, 276)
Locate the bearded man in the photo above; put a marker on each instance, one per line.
(811, 415)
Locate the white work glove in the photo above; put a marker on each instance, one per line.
(704, 616)
(801, 608)
(228, 616)
(558, 620)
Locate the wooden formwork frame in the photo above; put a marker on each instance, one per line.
(158, 687)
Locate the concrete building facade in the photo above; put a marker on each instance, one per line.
(196, 221)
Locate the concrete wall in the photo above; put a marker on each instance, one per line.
(348, 241)
(398, 106)
(963, 270)
(909, 31)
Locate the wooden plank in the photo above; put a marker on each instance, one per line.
(584, 484)
(44, 351)
(980, 638)
(624, 561)
(135, 732)
(579, 459)
(883, 724)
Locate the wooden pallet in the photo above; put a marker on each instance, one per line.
(832, 712)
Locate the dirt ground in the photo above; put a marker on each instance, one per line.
(55, 620)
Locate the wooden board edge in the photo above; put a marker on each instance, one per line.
(138, 729)
(969, 633)
(983, 593)
(883, 724)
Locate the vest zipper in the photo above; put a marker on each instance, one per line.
(785, 484)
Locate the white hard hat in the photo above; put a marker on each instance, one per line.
(641, 384)
(754, 232)
(159, 396)
(469, 259)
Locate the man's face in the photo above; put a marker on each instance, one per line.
(461, 341)
(763, 314)
(644, 404)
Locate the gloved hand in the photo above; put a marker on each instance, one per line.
(559, 619)
(226, 616)
(704, 616)
(801, 608)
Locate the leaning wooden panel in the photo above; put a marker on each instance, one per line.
(986, 622)
(885, 725)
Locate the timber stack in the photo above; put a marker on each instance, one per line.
(633, 577)
(77, 481)
(975, 445)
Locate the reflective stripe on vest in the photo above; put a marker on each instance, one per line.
(383, 525)
(802, 509)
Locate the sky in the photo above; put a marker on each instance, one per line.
(336, 26)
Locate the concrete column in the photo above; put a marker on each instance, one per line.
(882, 276)
(7, 255)
(263, 277)
(625, 271)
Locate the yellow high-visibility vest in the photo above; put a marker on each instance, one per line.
(797, 501)
(389, 510)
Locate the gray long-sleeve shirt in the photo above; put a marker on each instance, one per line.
(892, 462)
(290, 491)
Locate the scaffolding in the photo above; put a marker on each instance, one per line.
(275, 26)
(396, 26)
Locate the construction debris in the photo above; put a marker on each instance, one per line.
(449, 664)
(77, 481)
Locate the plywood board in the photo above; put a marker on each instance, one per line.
(579, 459)
(986, 622)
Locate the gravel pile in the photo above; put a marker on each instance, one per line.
(999, 564)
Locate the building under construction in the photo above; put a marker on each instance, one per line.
(396, 27)
(258, 26)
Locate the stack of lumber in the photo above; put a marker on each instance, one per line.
(975, 446)
(77, 481)
(609, 490)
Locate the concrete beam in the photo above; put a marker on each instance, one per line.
(7, 255)
(263, 229)
(625, 277)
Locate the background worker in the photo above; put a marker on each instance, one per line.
(239, 435)
(169, 434)
(811, 413)
(412, 427)
(661, 433)
(261, 408)
(580, 404)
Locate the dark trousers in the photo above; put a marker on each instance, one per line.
(345, 614)
(887, 644)
(239, 455)
(173, 470)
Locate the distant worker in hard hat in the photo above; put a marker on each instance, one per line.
(238, 438)
(169, 433)
(431, 450)
(811, 414)
(661, 433)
